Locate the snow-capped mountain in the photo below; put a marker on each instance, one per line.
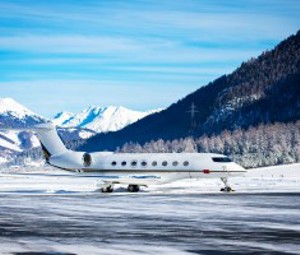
(100, 119)
(13, 114)
(8, 105)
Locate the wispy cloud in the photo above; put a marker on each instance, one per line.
(67, 44)
(134, 49)
(137, 45)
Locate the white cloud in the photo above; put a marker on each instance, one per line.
(68, 44)
(149, 51)
(119, 50)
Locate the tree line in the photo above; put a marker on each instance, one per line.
(264, 145)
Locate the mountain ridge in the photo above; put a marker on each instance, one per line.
(13, 114)
(256, 92)
(94, 118)
(101, 119)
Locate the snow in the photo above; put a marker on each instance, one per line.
(35, 141)
(53, 212)
(280, 171)
(100, 119)
(275, 178)
(13, 114)
(62, 118)
(8, 105)
(2, 160)
(13, 143)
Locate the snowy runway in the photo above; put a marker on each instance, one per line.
(67, 215)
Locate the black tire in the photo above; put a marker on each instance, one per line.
(227, 189)
(107, 189)
(133, 188)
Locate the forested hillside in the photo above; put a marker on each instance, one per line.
(264, 145)
(262, 90)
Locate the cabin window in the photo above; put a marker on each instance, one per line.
(154, 163)
(164, 163)
(134, 163)
(221, 159)
(114, 163)
(123, 163)
(186, 163)
(144, 163)
(175, 163)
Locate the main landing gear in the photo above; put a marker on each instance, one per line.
(130, 188)
(133, 188)
(107, 189)
(227, 188)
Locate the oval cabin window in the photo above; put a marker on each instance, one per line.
(186, 163)
(134, 163)
(154, 163)
(114, 163)
(123, 163)
(144, 163)
(164, 163)
(175, 163)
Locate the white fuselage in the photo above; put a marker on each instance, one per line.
(147, 168)
(134, 169)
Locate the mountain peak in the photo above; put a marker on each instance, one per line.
(110, 108)
(62, 117)
(100, 118)
(15, 115)
(10, 106)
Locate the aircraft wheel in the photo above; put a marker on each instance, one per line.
(108, 189)
(227, 189)
(133, 188)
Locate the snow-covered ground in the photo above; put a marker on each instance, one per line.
(51, 212)
(50, 180)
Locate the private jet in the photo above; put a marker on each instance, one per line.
(134, 169)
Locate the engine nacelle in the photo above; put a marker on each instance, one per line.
(87, 159)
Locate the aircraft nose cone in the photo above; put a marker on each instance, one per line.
(240, 168)
(234, 168)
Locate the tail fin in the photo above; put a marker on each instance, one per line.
(49, 139)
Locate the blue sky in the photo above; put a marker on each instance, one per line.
(69, 54)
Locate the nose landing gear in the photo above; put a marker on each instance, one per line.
(227, 188)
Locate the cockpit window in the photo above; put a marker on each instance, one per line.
(221, 159)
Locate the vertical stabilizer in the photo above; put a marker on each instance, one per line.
(49, 139)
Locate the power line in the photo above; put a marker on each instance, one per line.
(193, 111)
